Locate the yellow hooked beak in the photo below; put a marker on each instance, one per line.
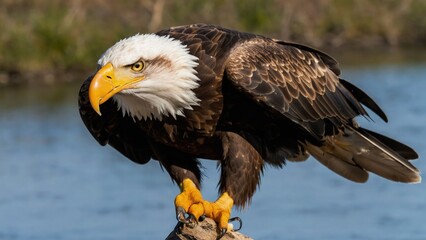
(106, 83)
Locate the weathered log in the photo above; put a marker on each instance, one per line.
(204, 230)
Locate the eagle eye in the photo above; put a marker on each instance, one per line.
(137, 66)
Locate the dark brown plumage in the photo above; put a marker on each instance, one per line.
(261, 101)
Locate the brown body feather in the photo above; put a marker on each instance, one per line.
(262, 101)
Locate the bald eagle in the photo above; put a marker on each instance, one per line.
(206, 92)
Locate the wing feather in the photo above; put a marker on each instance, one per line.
(364, 99)
(305, 87)
(300, 83)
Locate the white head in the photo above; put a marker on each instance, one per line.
(149, 76)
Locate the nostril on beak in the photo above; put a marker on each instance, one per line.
(109, 77)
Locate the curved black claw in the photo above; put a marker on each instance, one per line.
(180, 215)
(191, 221)
(239, 221)
(185, 218)
(224, 230)
(222, 233)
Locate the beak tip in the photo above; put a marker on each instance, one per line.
(96, 106)
(97, 109)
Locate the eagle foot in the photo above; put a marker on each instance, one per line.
(189, 204)
(220, 212)
(191, 208)
(185, 218)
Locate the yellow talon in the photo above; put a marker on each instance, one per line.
(190, 201)
(220, 211)
(189, 195)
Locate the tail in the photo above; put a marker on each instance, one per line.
(354, 152)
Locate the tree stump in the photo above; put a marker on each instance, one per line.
(204, 230)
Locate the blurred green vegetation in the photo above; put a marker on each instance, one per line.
(60, 36)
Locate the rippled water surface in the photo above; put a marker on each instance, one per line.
(56, 182)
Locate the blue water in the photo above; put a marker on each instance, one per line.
(57, 183)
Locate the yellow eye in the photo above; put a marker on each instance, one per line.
(137, 66)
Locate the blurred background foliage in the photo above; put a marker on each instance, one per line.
(39, 36)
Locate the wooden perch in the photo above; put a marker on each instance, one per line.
(204, 230)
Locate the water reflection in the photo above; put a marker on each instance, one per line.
(56, 182)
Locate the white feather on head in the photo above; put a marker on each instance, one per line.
(167, 88)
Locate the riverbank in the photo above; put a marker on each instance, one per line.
(45, 41)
